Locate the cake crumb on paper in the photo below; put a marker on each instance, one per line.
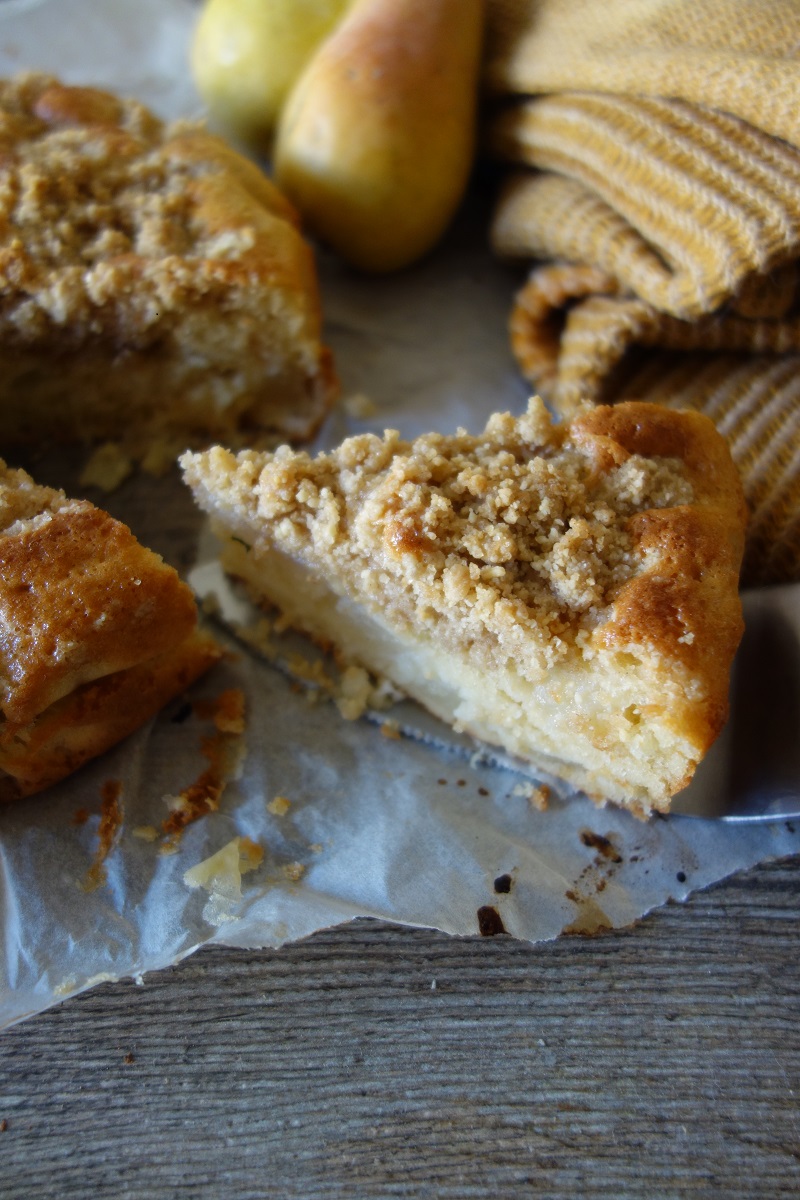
(537, 794)
(221, 876)
(279, 806)
(145, 833)
(360, 406)
(210, 605)
(353, 693)
(236, 858)
(106, 468)
(66, 987)
(160, 456)
(294, 871)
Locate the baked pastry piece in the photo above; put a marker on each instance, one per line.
(150, 278)
(97, 633)
(567, 591)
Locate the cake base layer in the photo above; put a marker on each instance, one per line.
(532, 721)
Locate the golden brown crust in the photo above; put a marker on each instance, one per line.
(123, 238)
(89, 721)
(684, 604)
(653, 431)
(96, 632)
(80, 598)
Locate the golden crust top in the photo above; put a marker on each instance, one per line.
(80, 598)
(111, 222)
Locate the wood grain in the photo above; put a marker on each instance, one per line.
(374, 1061)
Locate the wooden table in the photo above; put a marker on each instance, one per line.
(371, 1061)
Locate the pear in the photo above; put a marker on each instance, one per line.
(247, 54)
(377, 137)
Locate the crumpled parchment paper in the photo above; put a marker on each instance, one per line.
(350, 819)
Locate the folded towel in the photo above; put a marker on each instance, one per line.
(739, 56)
(672, 229)
(679, 202)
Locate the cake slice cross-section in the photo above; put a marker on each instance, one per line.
(155, 283)
(97, 633)
(565, 591)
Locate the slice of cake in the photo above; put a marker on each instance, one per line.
(568, 592)
(152, 279)
(97, 633)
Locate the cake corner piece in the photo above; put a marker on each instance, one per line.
(568, 592)
(174, 295)
(97, 633)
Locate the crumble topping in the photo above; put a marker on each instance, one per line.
(101, 225)
(521, 531)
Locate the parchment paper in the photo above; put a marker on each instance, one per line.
(409, 830)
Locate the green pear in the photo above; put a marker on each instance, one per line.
(247, 54)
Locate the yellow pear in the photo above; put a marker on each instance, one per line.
(246, 54)
(376, 139)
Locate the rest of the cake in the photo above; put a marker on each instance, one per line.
(568, 592)
(97, 633)
(152, 279)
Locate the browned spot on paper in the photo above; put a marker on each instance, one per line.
(503, 884)
(219, 750)
(3, 1125)
(80, 816)
(589, 919)
(129, 1059)
(604, 845)
(226, 711)
(107, 830)
(202, 796)
(490, 923)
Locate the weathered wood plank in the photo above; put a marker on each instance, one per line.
(663, 1060)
